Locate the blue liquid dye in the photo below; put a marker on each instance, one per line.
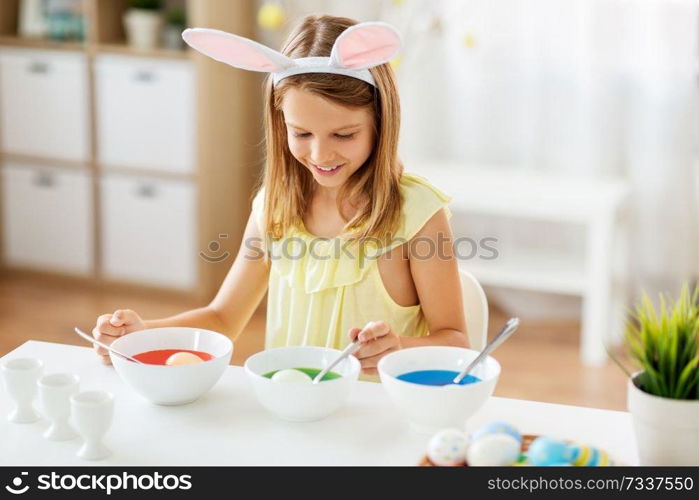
(436, 377)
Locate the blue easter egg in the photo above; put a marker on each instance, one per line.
(548, 451)
(496, 428)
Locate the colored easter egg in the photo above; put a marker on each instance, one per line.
(548, 451)
(183, 358)
(587, 456)
(291, 375)
(494, 449)
(448, 447)
(496, 428)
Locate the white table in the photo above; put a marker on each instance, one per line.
(227, 426)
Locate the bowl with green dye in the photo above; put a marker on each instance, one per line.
(300, 402)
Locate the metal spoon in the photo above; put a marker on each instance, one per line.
(509, 328)
(92, 339)
(347, 351)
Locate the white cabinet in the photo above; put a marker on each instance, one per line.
(149, 230)
(44, 104)
(145, 113)
(48, 222)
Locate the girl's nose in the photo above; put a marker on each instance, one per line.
(321, 153)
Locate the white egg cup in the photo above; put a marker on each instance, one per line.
(92, 413)
(20, 377)
(54, 392)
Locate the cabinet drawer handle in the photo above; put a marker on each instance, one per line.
(146, 191)
(38, 67)
(144, 76)
(45, 180)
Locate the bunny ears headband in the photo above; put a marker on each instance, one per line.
(357, 49)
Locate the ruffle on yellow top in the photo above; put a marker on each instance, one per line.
(314, 264)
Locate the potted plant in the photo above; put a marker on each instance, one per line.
(663, 396)
(175, 22)
(143, 23)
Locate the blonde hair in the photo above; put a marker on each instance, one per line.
(289, 185)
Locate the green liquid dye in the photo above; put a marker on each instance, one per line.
(311, 372)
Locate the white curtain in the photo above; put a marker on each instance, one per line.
(585, 87)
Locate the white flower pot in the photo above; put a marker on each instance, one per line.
(667, 430)
(143, 28)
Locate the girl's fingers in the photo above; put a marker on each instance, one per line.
(374, 330)
(123, 317)
(374, 347)
(111, 326)
(353, 332)
(101, 351)
(105, 339)
(104, 327)
(372, 362)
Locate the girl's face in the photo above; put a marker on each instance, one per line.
(330, 140)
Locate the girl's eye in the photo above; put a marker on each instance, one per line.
(303, 135)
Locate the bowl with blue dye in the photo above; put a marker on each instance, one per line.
(414, 379)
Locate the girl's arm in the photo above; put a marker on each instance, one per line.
(436, 276)
(438, 285)
(239, 295)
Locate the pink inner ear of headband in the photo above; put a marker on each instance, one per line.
(232, 51)
(366, 46)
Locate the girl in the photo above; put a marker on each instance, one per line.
(339, 236)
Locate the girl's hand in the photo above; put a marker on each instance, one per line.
(378, 339)
(112, 326)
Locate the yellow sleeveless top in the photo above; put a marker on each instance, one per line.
(319, 288)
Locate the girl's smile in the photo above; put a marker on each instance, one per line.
(327, 170)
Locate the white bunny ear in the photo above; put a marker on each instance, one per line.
(365, 45)
(236, 50)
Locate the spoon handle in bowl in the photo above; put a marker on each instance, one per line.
(90, 338)
(350, 349)
(509, 328)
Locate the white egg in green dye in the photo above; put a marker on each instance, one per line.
(290, 375)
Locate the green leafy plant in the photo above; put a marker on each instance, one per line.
(176, 17)
(664, 344)
(145, 4)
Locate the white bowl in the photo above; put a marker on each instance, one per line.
(431, 408)
(172, 385)
(301, 402)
